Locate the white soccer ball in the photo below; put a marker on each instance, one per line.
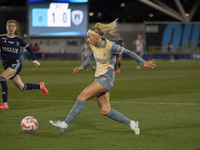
(29, 124)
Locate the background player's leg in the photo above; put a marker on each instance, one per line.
(28, 86)
(20, 85)
(8, 73)
(119, 64)
(4, 89)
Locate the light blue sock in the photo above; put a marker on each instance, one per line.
(117, 116)
(75, 111)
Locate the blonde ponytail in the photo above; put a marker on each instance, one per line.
(101, 28)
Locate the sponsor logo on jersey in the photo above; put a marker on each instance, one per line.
(102, 61)
(11, 42)
(10, 49)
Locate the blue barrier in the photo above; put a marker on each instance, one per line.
(166, 56)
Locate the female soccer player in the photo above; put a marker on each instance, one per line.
(10, 52)
(104, 52)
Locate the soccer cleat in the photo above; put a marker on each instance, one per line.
(135, 127)
(43, 88)
(118, 70)
(61, 125)
(4, 106)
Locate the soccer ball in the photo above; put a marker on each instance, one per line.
(29, 124)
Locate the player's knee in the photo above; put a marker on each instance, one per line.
(21, 88)
(105, 112)
(82, 96)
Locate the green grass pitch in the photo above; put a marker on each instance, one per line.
(165, 100)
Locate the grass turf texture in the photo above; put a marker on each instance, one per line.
(165, 100)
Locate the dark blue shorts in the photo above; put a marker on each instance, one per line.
(107, 83)
(17, 65)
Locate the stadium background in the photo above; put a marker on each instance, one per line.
(133, 20)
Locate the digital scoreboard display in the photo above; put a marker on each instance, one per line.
(58, 17)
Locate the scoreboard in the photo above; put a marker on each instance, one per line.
(58, 17)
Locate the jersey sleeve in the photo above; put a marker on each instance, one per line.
(25, 45)
(31, 52)
(88, 60)
(118, 50)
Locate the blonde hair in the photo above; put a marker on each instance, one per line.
(17, 32)
(100, 28)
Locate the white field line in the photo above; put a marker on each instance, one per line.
(112, 102)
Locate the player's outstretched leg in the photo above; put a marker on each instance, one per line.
(41, 86)
(61, 125)
(117, 116)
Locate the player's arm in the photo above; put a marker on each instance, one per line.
(85, 63)
(35, 62)
(25, 45)
(118, 50)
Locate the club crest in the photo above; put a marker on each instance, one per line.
(77, 17)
